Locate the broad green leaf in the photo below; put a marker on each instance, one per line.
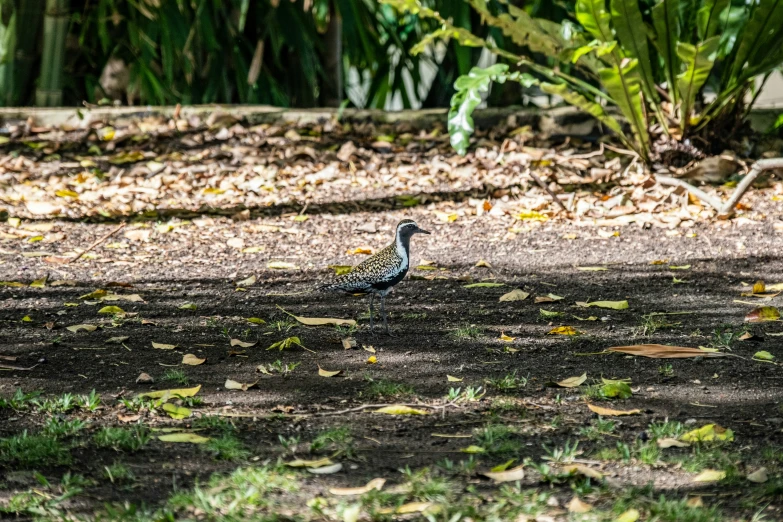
(593, 16)
(473, 449)
(465, 100)
(176, 412)
(709, 16)
(114, 310)
(620, 390)
(629, 26)
(577, 100)
(666, 23)
(523, 29)
(698, 60)
(764, 355)
(759, 37)
(624, 87)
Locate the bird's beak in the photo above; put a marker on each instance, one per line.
(421, 231)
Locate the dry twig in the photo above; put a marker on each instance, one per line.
(98, 242)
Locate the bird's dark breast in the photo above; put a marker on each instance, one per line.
(384, 285)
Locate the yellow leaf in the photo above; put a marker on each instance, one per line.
(503, 467)
(212, 190)
(662, 351)
(115, 310)
(234, 385)
(192, 360)
(366, 251)
(659, 262)
(372, 360)
(399, 409)
(710, 475)
(188, 306)
(191, 438)
(161, 346)
(253, 250)
(369, 348)
(592, 268)
(763, 355)
(573, 382)
(504, 337)
(301, 219)
(411, 507)
(85, 327)
(514, 295)
(608, 412)
(614, 305)
(281, 265)
(176, 412)
(451, 378)
(39, 283)
(683, 267)
(321, 321)
(511, 475)
(632, 515)
(483, 263)
(376, 483)
(708, 432)
(66, 194)
(473, 449)
(549, 298)
(14, 284)
(243, 344)
(320, 463)
(763, 314)
(327, 373)
(28, 319)
(180, 392)
(96, 294)
(341, 269)
(759, 287)
(446, 217)
(106, 133)
(531, 215)
(583, 470)
(563, 330)
(255, 320)
(247, 282)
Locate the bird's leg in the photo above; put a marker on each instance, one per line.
(383, 314)
(372, 326)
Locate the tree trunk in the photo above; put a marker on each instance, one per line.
(332, 92)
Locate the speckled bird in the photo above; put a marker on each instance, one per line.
(380, 273)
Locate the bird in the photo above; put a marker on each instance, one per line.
(381, 272)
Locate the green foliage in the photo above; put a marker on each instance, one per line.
(122, 439)
(650, 60)
(27, 451)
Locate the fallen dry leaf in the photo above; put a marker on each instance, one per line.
(319, 463)
(573, 382)
(710, 475)
(549, 298)
(759, 476)
(614, 305)
(759, 287)
(506, 338)
(175, 392)
(451, 378)
(176, 412)
(192, 360)
(321, 321)
(608, 412)
(410, 507)
(234, 385)
(243, 344)
(326, 470)
(592, 268)
(762, 314)
(128, 418)
(327, 373)
(79, 327)
(577, 506)
(161, 346)
(632, 515)
(399, 409)
(281, 265)
(374, 484)
(372, 360)
(510, 475)
(661, 351)
(514, 295)
(483, 263)
(586, 471)
(192, 438)
(671, 443)
(708, 432)
(563, 330)
(348, 343)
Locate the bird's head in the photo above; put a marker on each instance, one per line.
(407, 227)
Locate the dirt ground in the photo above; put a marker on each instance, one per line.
(193, 278)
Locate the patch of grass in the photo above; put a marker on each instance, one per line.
(282, 325)
(45, 505)
(346, 330)
(136, 404)
(20, 400)
(497, 439)
(471, 393)
(226, 447)
(665, 429)
(425, 486)
(467, 331)
(414, 316)
(118, 473)
(214, 422)
(282, 368)
(724, 336)
(29, 451)
(567, 453)
(89, 402)
(62, 404)
(465, 467)
(508, 382)
(651, 323)
(62, 428)
(666, 510)
(176, 376)
(667, 371)
(192, 402)
(388, 389)
(648, 452)
(122, 439)
(246, 494)
(334, 440)
(598, 429)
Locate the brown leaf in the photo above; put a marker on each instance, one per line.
(509, 475)
(376, 483)
(660, 351)
(192, 360)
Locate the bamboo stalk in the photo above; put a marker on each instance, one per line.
(50, 84)
(8, 15)
(28, 28)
